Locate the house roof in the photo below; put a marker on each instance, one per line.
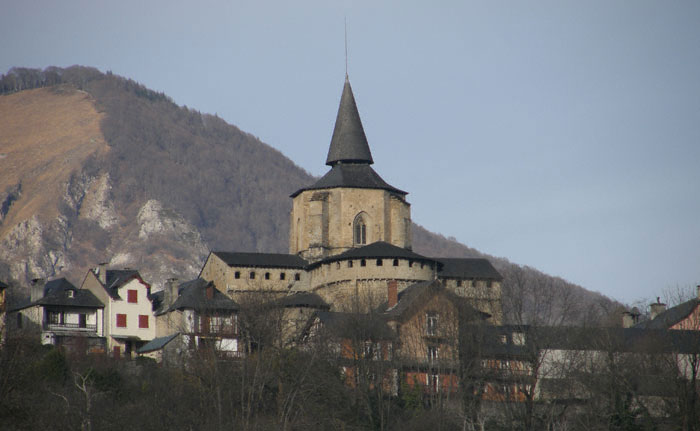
(356, 176)
(302, 299)
(3, 285)
(262, 260)
(193, 295)
(349, 143)
(468, 268)
(611, 339)
(377, 250)
(156, 343)
(416, 294)
(355, 326)
(58, 293)
(57, 285)
(116, 278)
(671, 316)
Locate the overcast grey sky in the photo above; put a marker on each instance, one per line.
(564, 135)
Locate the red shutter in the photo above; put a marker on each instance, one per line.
(143, 321)
(132, 296)
(121, 320)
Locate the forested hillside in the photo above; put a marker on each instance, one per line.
(155, 186)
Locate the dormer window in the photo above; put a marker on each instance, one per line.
(71, 294)
(360, 230)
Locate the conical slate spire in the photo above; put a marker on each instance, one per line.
(349, 143)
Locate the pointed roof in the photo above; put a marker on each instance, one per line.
(349, 143)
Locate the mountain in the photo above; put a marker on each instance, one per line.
(98, 168)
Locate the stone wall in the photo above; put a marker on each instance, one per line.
(322, 221)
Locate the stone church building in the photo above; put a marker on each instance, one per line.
(350, 235)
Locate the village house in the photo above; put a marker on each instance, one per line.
(128, 320)
(193, 316)
(683, 316)
(63, 316)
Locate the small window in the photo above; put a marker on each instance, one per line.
(337, 265)
(432, 353)
(132, 296)
(143, 321)
(267, 276)
(431, 324)
(54, 318)
(396, 262)
(360, 231)
(121, 320)
(71, 293)
(459, 283)
(82, 320)
(297, 276)
(422, 265)
(282, 275)
(489, 284)
(252, 275)
(237, 274)
(379, 262)
(363, 263)
(349, 263)
(410, 264)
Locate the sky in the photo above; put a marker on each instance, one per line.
(563, 135)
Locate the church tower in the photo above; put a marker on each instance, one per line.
(351, 206)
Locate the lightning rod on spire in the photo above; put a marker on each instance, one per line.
(346, 47)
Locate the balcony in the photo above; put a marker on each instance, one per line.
(69, 327)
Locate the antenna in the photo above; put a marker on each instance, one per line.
(346, 47)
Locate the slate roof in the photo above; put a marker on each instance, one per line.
(58, 285)
(616, 339)
(414, 294)
(468, 268)
(356, 176)
(377, 250)
(302, 299)
(263, 260)
(115, 278)
(355, 326)
(193, 295)
(671, 316)
(56, 293)
(349, 143)
(156, 343)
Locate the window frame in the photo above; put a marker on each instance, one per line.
(121, 320)
(132, 296)
(143, 318)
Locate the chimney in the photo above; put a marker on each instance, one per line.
(698, 290)
(657, 308)
(210, 291)
(635, 313)
(170, 292)
(627, 319)
(101, 272)
(36, 291)
(392, 293)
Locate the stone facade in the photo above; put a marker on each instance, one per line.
(323, 222)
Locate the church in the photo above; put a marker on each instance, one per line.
(350, 235)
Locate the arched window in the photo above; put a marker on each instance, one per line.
(360, 230)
